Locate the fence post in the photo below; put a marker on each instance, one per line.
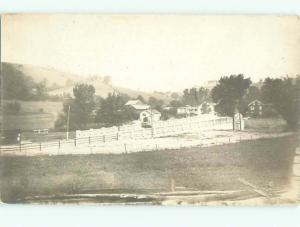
(117, 135)
(103, 138)
(172, 185)
(58, 145)
(75, 141)
(40, 146)
(233, 124)
(125, 147)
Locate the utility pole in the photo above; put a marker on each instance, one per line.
(152, 129)
(68, 121)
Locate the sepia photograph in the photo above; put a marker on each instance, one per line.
(150, 109)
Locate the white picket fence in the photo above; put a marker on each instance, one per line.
(159, 129)
(123, 137)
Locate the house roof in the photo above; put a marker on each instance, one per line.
(134, 102)
(154, 111)
(140, 107)
(255, 101)
(188, 106)
(137, 104)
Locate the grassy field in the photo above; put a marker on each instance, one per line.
(33, 115)
(265, 124)
(29, 121)
(266, 163)
(38, 106)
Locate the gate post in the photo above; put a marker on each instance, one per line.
(238, 122)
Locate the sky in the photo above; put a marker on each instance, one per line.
(155, 52)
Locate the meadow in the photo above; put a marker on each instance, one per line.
(266, 163)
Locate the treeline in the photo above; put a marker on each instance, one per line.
(17, 85)
(86, 110)
(232, 94)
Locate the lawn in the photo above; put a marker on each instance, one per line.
(266, 163)
(265, 124)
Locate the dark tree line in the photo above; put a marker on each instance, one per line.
(16, 85)
(233, 94)
(88, 110)
(284, 94)
(229, 92)
(113, 110)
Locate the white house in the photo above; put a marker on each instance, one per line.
(204, 108)
(149, 116)
(187, 110)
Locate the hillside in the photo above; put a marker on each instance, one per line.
(61, 82)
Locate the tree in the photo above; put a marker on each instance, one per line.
(283, 94)
(81, 108)
(203, 95)
(194, 96)
(174, 95)
(113, 111)
(141, 98)
(176, 103)
(16, 85)
(83, 104)
(41, 90)
(12, 108)
(252, 94)
(229, 92)
(156, 103)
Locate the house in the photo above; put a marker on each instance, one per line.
(255, 108)
(147, 117)
(204, 108)
(167, 108)
(188, 110)
(137, 105)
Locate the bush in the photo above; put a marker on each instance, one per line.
(12, 108)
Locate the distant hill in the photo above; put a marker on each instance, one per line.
(61, 82)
